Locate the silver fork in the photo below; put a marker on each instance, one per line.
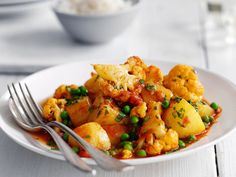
(103, 161)
(26, 118)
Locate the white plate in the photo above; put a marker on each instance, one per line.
(43, 84)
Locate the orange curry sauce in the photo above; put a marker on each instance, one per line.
(43, 137)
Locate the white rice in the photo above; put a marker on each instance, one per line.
(91, 7)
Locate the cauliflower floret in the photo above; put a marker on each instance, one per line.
(154, 137)
(153, 126)
(154, 109)
(155, 146)
(52, 109)
(154, 74)
(136, 66)
(170, 140)
(98, 86)
(152, 122)
(126, 154)
(117, 74)
(135, 61)
(183, 81)
(140, 110)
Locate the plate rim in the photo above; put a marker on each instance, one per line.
(154, 159)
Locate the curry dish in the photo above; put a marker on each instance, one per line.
(133, 110)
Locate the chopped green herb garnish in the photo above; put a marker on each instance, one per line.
(83, 90)
(66, 136)
(191, 138)
(141, 81)
(180, 113)
(194, 105)
(120, 116)
(177, 99)
(146, 119)
(106, 152)
(51, 143)
(90, 109)
(87, 136)
(76, 149)
(99, 112)
(181, 144)
(150, 87)
(180, 124)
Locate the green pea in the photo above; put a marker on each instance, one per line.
(206, 119)
(214, 106)
(75, 92)
(192, 138)
(141, 153)
(66, 136)
(181, 144)
(123, 143)
(76, 149)
(83, 90)
(126, 109)
(165, 104)
(124, 136)
(128, 147)
(64, 115)
(134, 119)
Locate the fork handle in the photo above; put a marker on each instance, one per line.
(68, 153)
(104, 161)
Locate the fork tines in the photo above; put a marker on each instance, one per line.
(25, 103)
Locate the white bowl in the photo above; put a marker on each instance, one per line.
(97, 28)
(43, 84)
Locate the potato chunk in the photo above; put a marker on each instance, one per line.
(94, 134)
(114, 132)
(183, 118)
(105, 114)
(204, 109)
(79, 111)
